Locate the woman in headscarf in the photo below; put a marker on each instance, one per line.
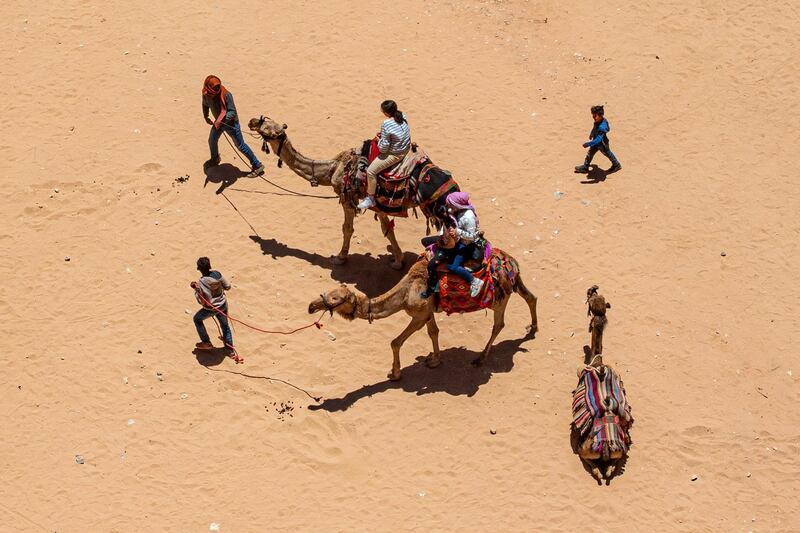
(218, 100)
(465, 231)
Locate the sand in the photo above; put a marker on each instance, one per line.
(694, 243)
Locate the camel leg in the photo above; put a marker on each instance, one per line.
(433, 332)
(597, 340)
(415, 325)
(530, 299)
(347, 234)
(588, 457)
(388, 231)
(499, 323)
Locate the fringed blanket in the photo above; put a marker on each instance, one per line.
(413, 181)
(454, 292)
(599, 406)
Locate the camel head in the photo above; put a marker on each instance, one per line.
(341, 299)
(591, 291)
(268, 128)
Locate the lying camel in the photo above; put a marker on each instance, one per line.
(405, 296)
(597, 310)
(601, 419)
(326, 172)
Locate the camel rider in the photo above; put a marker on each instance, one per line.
(219, 101)
(466, 231)
(394, 143)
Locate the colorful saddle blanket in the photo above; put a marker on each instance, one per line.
(454, 292)
(413, 181)
(600, 408)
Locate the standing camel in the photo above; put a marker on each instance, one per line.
(326, 172)
(405, 296)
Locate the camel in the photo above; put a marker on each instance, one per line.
(405, 296)
(597, 310)
(602, 436)
(329, 173)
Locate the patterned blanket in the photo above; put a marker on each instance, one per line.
(600, 408)
(454, 292)
(413, 181)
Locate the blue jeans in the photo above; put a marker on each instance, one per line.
(462, 252)
(603, 148)
(203, 314)
(235, 133)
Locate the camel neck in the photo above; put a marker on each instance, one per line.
(301, 165)
(381, 306)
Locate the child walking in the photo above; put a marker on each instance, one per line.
(598, 142)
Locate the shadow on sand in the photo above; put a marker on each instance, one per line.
(596, 175)
(456, 375)
(225, 175)
(371, 275)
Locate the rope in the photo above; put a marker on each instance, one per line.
(295, 193)
(316, 323)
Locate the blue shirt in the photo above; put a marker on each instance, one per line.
(599, 133)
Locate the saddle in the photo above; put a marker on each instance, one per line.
(414, 181)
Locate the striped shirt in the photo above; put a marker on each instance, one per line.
(395, 138)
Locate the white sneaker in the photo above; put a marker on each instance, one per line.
(366, 203)
(475, 287)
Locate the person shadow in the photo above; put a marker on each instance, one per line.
(369, 274)
(212, 357)
(595, 175)
(225, 175)
(456, 375)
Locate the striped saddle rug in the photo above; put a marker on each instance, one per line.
(600, 408)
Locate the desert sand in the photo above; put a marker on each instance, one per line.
(693, 244)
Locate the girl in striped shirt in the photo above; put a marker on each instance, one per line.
(394, 143)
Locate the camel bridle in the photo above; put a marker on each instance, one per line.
(352, 300)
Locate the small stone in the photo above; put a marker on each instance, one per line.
(137, 130)
(79, 459)
(66, 258)
(125, 380)
(131, 421)
(159, 376)
(558, 195)
(184, 396)
(695, 477)
(213, 526)
(557, 295)
(56, 190)
(586, 202)
(748, 474)
(723, 254)
(331, 336)
(658, 333)
(283, 345)
(152, 252)
(187, 311)
(138, 351)
(493, 431)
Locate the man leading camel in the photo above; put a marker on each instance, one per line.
(218, 100)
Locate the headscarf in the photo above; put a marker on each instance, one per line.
(221, 94)
(459, 201)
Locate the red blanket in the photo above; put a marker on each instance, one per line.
(454, 296)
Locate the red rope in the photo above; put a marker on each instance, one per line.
(218, 310)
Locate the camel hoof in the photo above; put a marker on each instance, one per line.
(339, 260)
(531, 330)
(431, 362)
(394, 376)
(397, 265)
(596, 474)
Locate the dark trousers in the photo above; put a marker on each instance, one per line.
(603, 148)
(203, 314)
(235, 131)
(455, 259)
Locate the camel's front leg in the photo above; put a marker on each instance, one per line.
(388, 230)
(347, 233)
(415, 325)
(499, 324)
(433, 332)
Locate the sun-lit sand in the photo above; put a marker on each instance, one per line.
(694, 243)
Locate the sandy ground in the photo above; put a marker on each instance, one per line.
(102, 109)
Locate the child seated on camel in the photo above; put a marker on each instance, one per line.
(457, 244)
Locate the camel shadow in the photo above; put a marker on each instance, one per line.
(595, 175)
(456, 375)
(370, 275)
(224, 174)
